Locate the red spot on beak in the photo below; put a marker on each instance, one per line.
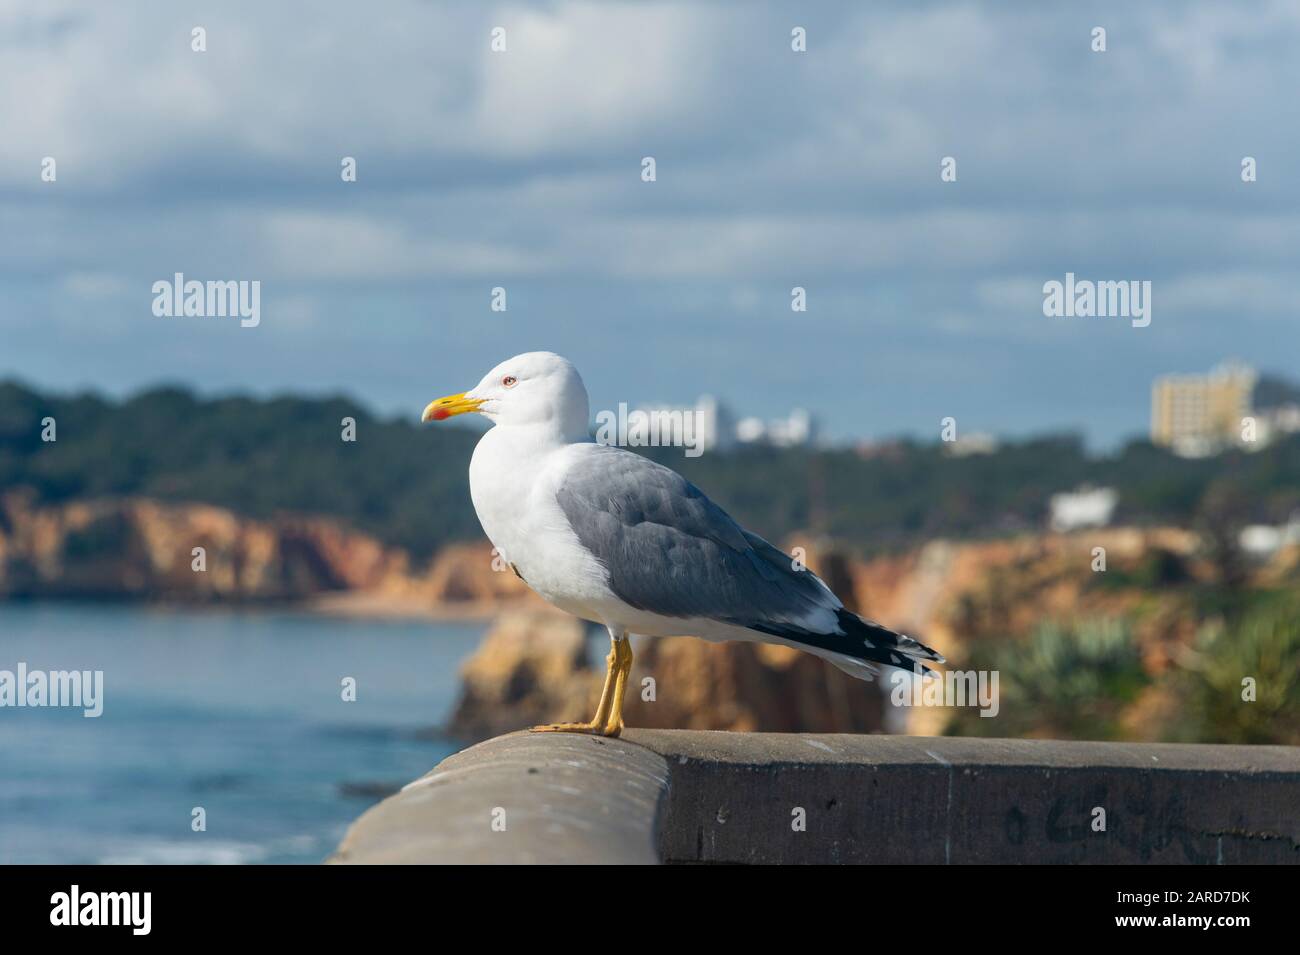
(441, 414)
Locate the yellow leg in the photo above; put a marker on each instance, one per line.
(612, 691)
(614, 722)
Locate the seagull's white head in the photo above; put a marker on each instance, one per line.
(537, 387)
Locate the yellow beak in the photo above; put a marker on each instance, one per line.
(451, 405)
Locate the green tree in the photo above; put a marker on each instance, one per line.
(1258, 657)
(1066, 681)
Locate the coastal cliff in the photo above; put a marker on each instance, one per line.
(1119, 649)
(541, 666)
(1161, 630)
(145, 549)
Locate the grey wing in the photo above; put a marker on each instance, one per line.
(670, 550)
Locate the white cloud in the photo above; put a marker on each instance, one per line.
(580, 74)
(95, 285)
(775, 169)
(1231, 294)
(330, 247)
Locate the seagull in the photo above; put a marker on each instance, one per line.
(614, 538)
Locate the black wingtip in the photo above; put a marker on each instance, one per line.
(862, 640)
(870, 641)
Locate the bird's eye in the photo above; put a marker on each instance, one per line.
(509, 381)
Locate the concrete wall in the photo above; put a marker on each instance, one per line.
(687, 796)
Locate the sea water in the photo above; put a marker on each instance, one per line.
(225, 736)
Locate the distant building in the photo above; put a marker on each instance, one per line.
(1262, 541)
(1085, 507)
(1273, 423)
(794, 430)
(976, 442)
(707, 425)
(1198, 415)
(713, 423)
(889, 450)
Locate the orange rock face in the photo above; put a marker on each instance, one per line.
(143, 549)
(544, 666)
(471, 573)
(538, 665)
(530, 668)
(950, 595)
(746, 686)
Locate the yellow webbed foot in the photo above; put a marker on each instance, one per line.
(608, 720)
(593, 728)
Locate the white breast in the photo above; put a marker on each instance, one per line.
(513, 482)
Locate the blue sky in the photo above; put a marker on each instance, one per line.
(775, 169)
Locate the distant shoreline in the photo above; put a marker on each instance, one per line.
(364, 604)
(354, 605)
